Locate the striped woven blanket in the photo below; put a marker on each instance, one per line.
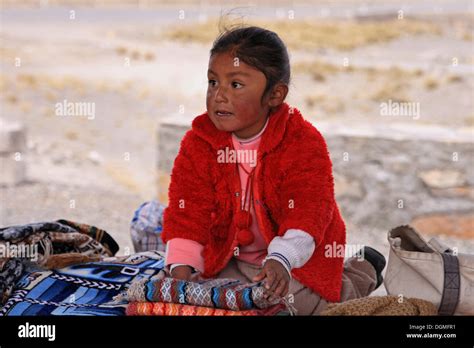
(168, 296)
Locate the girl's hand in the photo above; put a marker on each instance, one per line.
(277, 279)
(182, 272)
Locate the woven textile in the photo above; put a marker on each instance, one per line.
(214, 293)
(82, 289)
(45, 239)
(146, 227)
(49, 245)
(171, 309)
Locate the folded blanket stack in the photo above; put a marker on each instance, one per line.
(169, 296)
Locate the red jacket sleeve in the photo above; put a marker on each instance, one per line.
(191, 194)
(307, 190)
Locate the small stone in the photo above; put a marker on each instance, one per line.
(59, 159)
(12, 137)
(455, 224)
(399, 163)
(441, 179)
(95, 157)
(345, 187)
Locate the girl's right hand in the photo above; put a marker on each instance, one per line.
(182, 272)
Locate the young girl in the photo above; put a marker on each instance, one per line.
(252, 192)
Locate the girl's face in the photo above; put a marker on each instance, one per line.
(234, 96)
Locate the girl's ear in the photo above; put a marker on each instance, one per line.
(278, 95)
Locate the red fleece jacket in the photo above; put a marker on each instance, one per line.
(293, 189)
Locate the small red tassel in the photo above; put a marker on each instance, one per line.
(245, 237)
(243, 219)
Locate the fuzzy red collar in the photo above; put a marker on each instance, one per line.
(205, 129)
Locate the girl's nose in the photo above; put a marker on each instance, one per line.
(220, 95)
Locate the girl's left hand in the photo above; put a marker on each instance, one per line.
(277, 279)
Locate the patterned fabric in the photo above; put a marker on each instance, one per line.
(82, 289)
(146, 227)
(10, 271)
(226, 294)
(58, 237)
(172, 309)
(49, 245)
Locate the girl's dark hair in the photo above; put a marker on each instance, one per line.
(260, 48)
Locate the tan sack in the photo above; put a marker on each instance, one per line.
(430, 271)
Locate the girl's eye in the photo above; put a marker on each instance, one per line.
(212, 82)
(237, 85)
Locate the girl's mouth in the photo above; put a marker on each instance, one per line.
(222, 113)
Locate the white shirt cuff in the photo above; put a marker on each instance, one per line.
(293, 249)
